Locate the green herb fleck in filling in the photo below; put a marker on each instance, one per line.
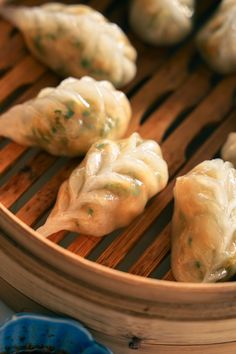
(58, 111)
(117, 188)
(51, 36)
(135, 190)
(37, 40)
(77, 44)
(90, 211)
(190, 241)
(70, 111)
(99, 72)
(100, 146)
(41, 137)
(198, 264)
(54, 130)
(62, 71)
(85, 63)
(86, 113)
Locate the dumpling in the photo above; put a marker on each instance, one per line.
(109, 188)
(75, 40)
(228, 152)
(68, 119)
(217, 40)
(162, 22)
(204, 223)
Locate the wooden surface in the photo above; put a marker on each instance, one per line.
(189, 110)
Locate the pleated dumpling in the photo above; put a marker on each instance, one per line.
(204, 223)
(68, 119)
(162, 22)
(109, 188)
(228, 151)
(217, 40)
(75, 40)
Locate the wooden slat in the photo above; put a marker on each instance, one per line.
(26, 72)
(20, 182)
(43, 199)
(12, 52)
(99, 5)
(213, 109)
(193, 90)
(84, 244)
(169, 276)
(9, 155)
(5, 31)
(48, 79)
(153, 255)
(58, 236)
(167, 79)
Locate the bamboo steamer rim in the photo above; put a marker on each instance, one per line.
(29, 238)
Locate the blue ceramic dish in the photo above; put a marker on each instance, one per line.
(35, 331)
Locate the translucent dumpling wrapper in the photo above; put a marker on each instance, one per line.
(162, 22)
(68, 119)
(217, 40)
(109, 188)
(204, 223)
(228, 152)
(75, 40)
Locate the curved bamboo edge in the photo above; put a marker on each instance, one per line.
(19, 303)
(119, 283)
(96, 311)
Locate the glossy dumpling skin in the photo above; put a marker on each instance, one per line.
(204, 223)
(75, 40)
(68, 119)
(109, 188)
(217, 40)
(228, 152)
(162, 22)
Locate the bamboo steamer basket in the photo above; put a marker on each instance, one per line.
(121, 286)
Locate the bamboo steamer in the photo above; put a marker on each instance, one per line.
(121, 286)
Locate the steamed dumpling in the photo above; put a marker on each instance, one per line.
(162, 22)
(228, 152)
(217, 40)
(204, 223)
(75, 40)
(109, 188)
(67, 119)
